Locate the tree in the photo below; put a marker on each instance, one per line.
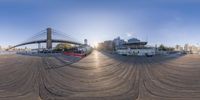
(62, 46)
(162, 47)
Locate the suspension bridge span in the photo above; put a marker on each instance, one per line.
(49, 36)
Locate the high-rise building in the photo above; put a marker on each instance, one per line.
(186, 48)
(118, 43)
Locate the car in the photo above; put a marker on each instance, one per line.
(150, 54)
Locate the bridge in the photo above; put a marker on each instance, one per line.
(49, 36)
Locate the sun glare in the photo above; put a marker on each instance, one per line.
(95, 44)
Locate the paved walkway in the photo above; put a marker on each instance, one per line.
(100, 76)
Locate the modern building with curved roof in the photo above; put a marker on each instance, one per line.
(135, 47)
(135, 43)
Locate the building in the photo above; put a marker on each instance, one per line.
(178, 48)
(132, 47)
(186, 48)
(106, 45)
(191, 49)
(194, 49)
(134, 43)
(118, 43)
(136, 47)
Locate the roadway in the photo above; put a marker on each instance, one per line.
(99, 76)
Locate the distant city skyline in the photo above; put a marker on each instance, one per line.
(167, 22)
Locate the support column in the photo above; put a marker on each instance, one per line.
(49, 38)
(39, 46)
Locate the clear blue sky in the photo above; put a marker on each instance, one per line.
(168, 22)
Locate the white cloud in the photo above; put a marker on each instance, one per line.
(129, 34)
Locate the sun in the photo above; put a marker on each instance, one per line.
(95, 45)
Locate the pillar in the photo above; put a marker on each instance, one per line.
(49, 38)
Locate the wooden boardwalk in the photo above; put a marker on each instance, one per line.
(100, 76)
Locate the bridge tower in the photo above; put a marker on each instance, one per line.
(49, 38)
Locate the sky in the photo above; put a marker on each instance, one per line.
(167, 22)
